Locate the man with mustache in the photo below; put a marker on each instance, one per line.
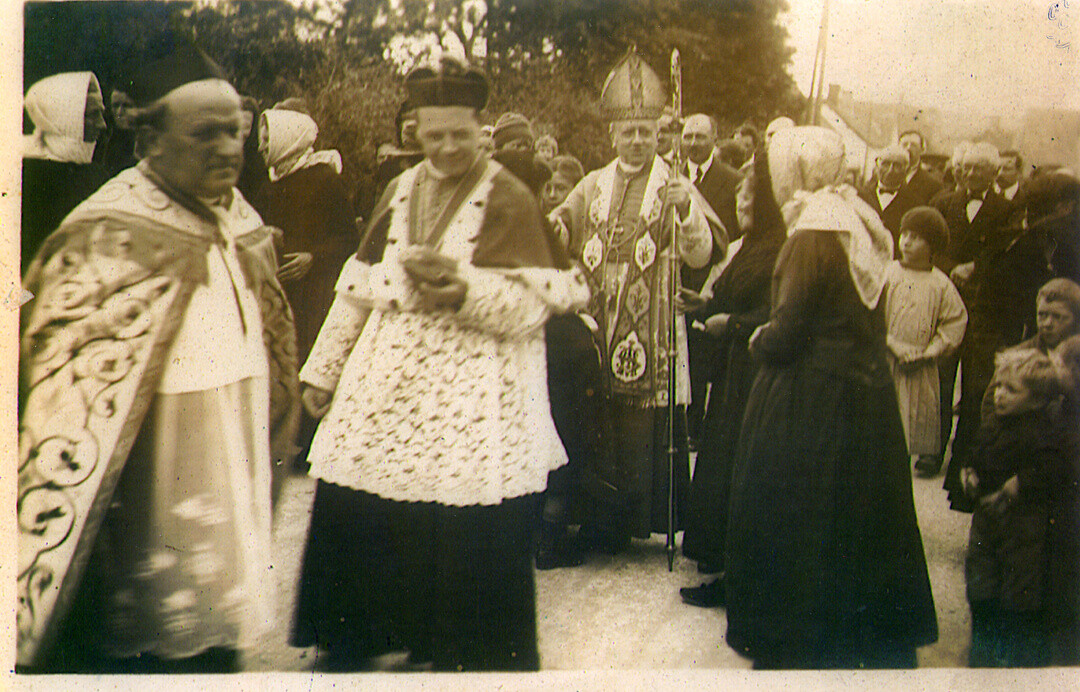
(978, 221)
(159, 393)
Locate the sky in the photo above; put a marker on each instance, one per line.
(987, 56)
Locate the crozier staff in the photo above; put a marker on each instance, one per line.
(612, 224)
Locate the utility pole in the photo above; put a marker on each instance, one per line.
(817, 81)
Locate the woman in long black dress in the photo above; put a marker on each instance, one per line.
(739, 304)
(304, 195)
(825, 564)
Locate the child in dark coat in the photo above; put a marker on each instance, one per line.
(1010, 475)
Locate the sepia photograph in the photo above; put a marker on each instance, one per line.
(593, 344)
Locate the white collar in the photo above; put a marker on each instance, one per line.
(704, 165)
(433, 171)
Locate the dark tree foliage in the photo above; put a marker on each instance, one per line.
(547, 58)
(107, 38)
(259, 44)
(733, 52)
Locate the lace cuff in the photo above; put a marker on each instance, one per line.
(341, 328)
(562, 290)
(500, 303)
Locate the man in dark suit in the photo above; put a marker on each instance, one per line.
(1010, 182)
(716, 180)
(887, 193)
(921, 184)
(718, 184)
(1012, 185)
(978, 220)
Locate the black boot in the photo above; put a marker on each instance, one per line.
(558, 547)
(928, 465)
(708, 595)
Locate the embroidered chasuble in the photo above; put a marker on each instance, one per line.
(124, 387)
(615, 227)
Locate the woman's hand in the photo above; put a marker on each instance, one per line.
(961, 273)
(689, 301)
(717, 324)
(969, 481)
(998, 502)
(316, 400)
(297, 265)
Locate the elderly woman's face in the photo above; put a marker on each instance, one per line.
(93, 115)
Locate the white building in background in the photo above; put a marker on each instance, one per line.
(859, 153)
(1045, 137)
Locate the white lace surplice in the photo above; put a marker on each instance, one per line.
(449, 407)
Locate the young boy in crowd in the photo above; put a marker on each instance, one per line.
(926, 319)
(1010, 475)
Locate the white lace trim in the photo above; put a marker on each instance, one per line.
(429, 411)
(450, 407)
